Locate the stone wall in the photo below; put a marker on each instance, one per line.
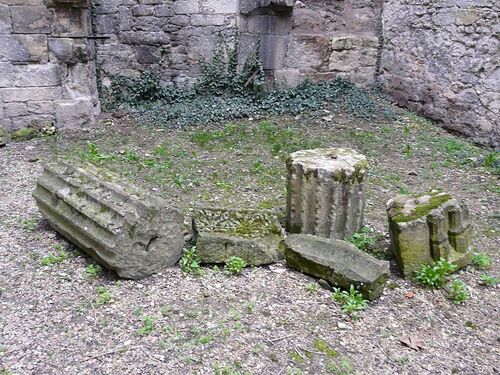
(441, 59)
(298, 39)
(46, 64)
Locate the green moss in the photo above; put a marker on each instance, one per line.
(423, 210)
(323, 347)
(252, 229)
(23, 134)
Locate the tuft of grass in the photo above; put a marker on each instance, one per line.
(482, 260)
(458, 292)
(54, 258)
(234, 265)
(312, 288)
(351, 301)
(93, 270)
(104, 296)
(93, 154)
(435, 275)
(147, 326)
(489, 280)
(323, 347)
(29, 225)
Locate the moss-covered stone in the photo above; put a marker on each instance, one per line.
(339, 262)
(425, 228)
(256, 236)
(23, 134)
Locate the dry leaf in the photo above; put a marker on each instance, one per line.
(410, 294)
(412, 342)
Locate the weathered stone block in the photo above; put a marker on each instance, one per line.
(68, 50)
(24, 48)
(69, 22)
(219, 6)
(37, 75)
(253, 235)
(428, 227)
(30, 19)
(144, 37)
(338, 262)
(326, 192)
(41, 107)
(122, 227)
(186, 6)
(16, 109)
(5, 21)
(74, 114)
(21, 94)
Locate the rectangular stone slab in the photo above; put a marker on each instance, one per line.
(338, 262)
(253, 235)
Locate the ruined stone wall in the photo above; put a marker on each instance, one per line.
(46, 69)
(298, 39)
(441, 58)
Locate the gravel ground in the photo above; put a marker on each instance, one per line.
(268, 320)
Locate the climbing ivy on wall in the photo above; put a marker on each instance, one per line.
(225, 90)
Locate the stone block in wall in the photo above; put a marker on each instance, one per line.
(144, 37)
(5, 21)
(32, 121)
(107, 6)
(74, 114)
(68, 50)
(147, 54)
(186, 7)
(37, 75)
(41, 107)
(273, 49)
(69, 22)
(30, 19)
(7, 74)
(141, 10)
(24, 94)
(24, 48)
(219, 6)
(308, 52)
(164, 10)
(106, 24)
(207, 20)
(16, 109)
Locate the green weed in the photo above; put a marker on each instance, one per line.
(435, 275)
(29, 225)
(190, 261)
(93, 270)
(54, 258)
(482, 260)
(458, 292)
(104, 296)
(351, 301)
(488, 280)
(234, 265)
(147, 326)
(312, 288)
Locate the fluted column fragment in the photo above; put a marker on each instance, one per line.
(326, 192)
(121, 226)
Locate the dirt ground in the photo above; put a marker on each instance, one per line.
(59, 318)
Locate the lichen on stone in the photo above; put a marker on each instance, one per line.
(419, 207)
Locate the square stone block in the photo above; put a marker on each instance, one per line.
(30, 19)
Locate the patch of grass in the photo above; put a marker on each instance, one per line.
(351, 301)
(29, 225)
(251, 307)
(364, 239)
(458, 292)
(489, 280)
(312, 288)
(190, 261)
(93, 270)
(482, 260)
(147, 326)
(235, 369)
(234, 265)
(342, 368)
(94, 155)
(435, 275)
(104, 296)
(323, 347)
(54, 258)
